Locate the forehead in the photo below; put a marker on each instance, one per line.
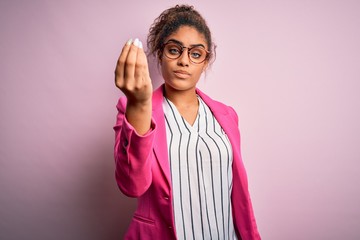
(188, 36)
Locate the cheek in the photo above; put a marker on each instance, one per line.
(201, 70)
(166, 66)
(164, 70)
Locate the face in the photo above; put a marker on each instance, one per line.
(182, 74)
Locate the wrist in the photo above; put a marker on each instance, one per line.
(139, 105)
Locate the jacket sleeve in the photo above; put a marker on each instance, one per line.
(133, 155)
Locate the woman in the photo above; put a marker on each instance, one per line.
(176, 149)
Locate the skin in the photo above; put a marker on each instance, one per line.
(180, 75)
(180, 87)
(133, 79)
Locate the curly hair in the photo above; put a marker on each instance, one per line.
(170, 21)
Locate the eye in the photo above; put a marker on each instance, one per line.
(173, 49)
(197, 53)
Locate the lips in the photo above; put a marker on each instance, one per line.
(181, 74)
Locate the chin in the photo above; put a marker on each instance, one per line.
(180, 84)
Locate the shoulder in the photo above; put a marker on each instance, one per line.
(217, 106)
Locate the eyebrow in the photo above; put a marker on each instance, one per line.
(182, 44)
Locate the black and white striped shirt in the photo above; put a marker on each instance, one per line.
(201, 170)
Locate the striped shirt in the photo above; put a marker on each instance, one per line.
(201, 171)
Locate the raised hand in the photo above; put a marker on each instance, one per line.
(133, 79)
(132, 73)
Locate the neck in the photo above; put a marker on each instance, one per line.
(181, 98)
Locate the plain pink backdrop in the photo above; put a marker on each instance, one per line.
(291, 69)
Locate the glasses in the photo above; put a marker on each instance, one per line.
(196, 54)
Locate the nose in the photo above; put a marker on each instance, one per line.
(184, 60)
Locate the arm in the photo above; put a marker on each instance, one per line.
(133, 79)
(133, 155)
(134, 136)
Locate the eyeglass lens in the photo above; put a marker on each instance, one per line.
(174, 51)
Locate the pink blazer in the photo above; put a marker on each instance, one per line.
(143, 171)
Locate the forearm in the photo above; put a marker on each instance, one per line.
(133, 157)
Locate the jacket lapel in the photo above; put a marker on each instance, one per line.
(160, 146)
(222, 116)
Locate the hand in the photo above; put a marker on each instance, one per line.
(132, 74)
(133, 79)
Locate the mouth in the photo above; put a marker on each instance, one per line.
(181, 74)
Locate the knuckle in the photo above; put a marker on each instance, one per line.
(119, 83)
(121, 61)
(138, 85)
(139, 65)
(130, 63)
(129, 85)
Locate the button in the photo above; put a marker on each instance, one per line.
(126, 142)
(124, 151)
(166, 198)
(170, 227)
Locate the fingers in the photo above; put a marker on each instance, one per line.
(125, 68)
(131, 60)
(141, 69)
(120, 67)
(132, 73)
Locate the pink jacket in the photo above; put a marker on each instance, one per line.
(142, 171)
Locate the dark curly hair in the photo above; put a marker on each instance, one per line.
(170, 21)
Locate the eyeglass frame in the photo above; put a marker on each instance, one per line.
(188, 52)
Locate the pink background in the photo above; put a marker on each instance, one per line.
(291, 69)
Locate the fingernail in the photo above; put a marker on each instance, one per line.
(136, 42)
(140, 45)
(129, 41)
